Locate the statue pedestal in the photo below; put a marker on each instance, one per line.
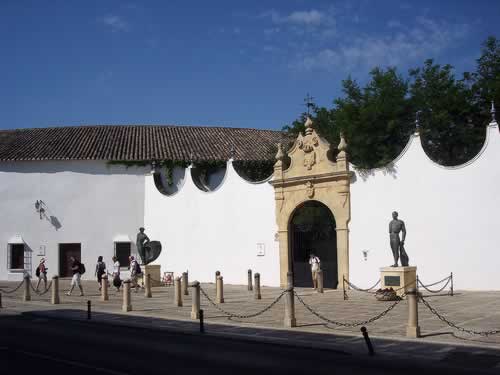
(155, 271)
(402, 278)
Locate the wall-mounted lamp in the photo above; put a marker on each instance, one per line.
(39, 208)
(365, 254)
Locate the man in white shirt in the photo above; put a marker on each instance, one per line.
(315, 267)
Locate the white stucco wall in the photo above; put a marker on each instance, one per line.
(204, 232)
(451, 217)
(93, 203)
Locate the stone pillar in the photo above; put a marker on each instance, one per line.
(185, 283)
(413, 329)
(27, 285)
(178, 292)
(195, 306)
(220, 290)
(342, 253)
(147, 286)
(127, 303)
(290, 320)
(250, 280)
(284, 261)
(55, 291)
(319, 281)
(104, 288)
(256, 291)
(217, 274)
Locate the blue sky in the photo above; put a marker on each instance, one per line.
(229, 63)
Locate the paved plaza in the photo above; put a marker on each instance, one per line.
(472, 310)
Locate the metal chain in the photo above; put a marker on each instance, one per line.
(351, 324)
(453, 325)
(435, 291)
(232, 315)
(41, 293)
(437, 282)
(362, 290)
(13, 290)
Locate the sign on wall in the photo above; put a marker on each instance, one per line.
(261, 249)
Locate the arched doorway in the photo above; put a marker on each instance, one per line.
(312, 230)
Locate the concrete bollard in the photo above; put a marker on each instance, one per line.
(55, 291)
(178, 292)
(413, 329)
(104, 288)
(195, 306)
(27, 285)
(220, 290)
(185, 283)
(1, 301)
(256, 291)
(147, 286)
(250, 280)
(217, 274)
(319, 281)
(127, 303)
(290, 320)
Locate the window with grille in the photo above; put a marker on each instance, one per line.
(16, 252)
(122, 252)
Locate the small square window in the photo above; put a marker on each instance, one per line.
(122, 252)
(16, 256)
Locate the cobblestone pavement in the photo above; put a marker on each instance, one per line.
(473, 310)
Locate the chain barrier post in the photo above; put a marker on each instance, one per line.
(367, 341)
(89, 310)
(220, 290)
(290, 320)
(55, 291)
(104, 288)
(178, 292)
(256, 291)
(250, 287)
(343, 288)
(127, 303)
(217, 274)
(319, 281)
(185, 283)
(195, 306)
(202, 327)
(451, 286)
(1, 300)
(413, 329)
(27, 284)
(147, 286)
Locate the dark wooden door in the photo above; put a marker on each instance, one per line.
(67, 250)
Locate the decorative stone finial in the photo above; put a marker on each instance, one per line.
(493, 111)
(280, 155)
(232, 152)
(343, 144)
(309, 126)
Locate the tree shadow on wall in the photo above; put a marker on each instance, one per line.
(389, 169)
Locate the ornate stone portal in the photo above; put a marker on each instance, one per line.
(312, 176)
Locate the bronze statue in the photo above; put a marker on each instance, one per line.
(397, 245)
(148, 250)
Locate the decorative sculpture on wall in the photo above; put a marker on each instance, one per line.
(148, 250)
(310, 189)
(307, 144)
(397, 245)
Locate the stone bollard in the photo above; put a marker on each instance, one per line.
(195, 306)
(413, 329)
(319, 281)
(147, 286)
(178, 292)
(256, 291)
(27, 285)
(127, 303)
(217, 274)
(55, 291)
(1, 301)
(104, 288)
(250, 280)
(290, 320)
(220, 290)
(185, 283)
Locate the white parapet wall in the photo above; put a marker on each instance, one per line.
(451, 217)
(231, 229)
(86, 202)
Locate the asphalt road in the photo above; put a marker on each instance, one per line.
(30, 345)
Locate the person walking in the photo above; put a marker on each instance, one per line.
(315, 267)
(100, 270)
(78, 269)
(135, 271)
(41, 273)
(117, 282)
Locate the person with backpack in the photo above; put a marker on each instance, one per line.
(135, 271)
(41, 273)
(78, 270)
(100, 270)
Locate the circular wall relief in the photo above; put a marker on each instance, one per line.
(208, 178)
(169, 185)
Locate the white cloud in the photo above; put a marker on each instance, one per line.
(307, 18)
(115, 23)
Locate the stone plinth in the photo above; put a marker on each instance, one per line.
(155, 271)
(402, 278)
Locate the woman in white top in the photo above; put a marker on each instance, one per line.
(116, 274)
(315, 267)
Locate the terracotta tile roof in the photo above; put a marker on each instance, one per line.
(138, 142)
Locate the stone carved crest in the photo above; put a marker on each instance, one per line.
(307, 144)
(310, 189)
